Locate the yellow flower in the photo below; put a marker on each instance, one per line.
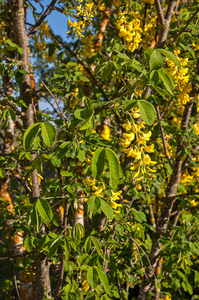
(90, 182)
(98, 191)
(193, 202)
(129, 136)
(106, 132)
(196, 128)
(114, 196)
(147, 160)
(196, 47)
(115, 205)
(149, 149)
(125, 143)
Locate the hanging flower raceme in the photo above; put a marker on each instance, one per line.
(130, 31)
(85, 12)
(134, 145)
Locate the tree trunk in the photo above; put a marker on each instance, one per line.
(42, 286)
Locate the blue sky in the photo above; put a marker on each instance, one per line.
(58, 23)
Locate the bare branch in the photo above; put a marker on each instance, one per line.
(73, 53)
(163, 137)
(160, 12)
(45, 14)
(55, 101)
(187, 24)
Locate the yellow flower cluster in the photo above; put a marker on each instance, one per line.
(3, 32)
(149, 30)
(106, 132)
(88, 45)
(86, 12)
(165, 298)
(139, 150)
(39, 37)
(99, 191)
(74, 99)
(130, 31)
(118, 3)
(196, 47)
(85, 285)
(114, 197)
(181, 78)
(196, 127)
(149, 1)
(77, 28)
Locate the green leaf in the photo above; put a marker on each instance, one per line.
(128, 105)
(170, 77)
(30, 135)
(120, 228)
(94, 204)
(96, 244)
(66, 174)
(44, 210)
(87, 245)
(123, 56)
(48, 133)
(2, 173)
(147, 111)
(63, 148)
(28, 243)
(162, 92)
(81, 155)
(170, 56)
(20, 50)
(106, 72)
(98, 162)
(56, 161)
(114, 167)
(83, 114)
(104, 280)
(11, 44)
(51, 49)
(92, 277)
(140, 216)
(71, 64)
(19, 77)
(166, 80)
(156, 60)
(107, 209)
(12, 114)
(84, 79)
(87, 123)
(154, 78)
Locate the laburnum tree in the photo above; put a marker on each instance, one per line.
(99, 194)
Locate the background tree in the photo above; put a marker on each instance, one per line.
(99, 196)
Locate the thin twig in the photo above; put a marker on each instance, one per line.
(45, 14)
(15, 280)
(73, 53)
(184, 28)
(55, 101)
(143, 252)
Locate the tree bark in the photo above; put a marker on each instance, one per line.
(42, 286)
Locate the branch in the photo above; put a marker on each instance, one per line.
(166, 25)
(45, 14)
(55, 101)
(160, 12)
(187, 24)
(81, 63)
(163, 137)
